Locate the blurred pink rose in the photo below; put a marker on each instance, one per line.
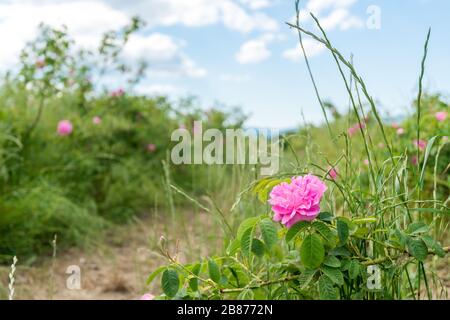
(96, 120)
(40, 63)
(414, 160)
(400, 131)
(354, 129)
(151, 147)
(395, 125)
(332, 173)
(298, 200)
(421, 144)
(366, 162)
(147, 296)
(64, 127)
(118, 93)
(441, 116)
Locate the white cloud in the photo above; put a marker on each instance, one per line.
(157, 89)
(257, 50)
(342, 19)
(312, 48)
(253, 51)
(256, 4)
(19, 20)
(332, 14)
(198, 13)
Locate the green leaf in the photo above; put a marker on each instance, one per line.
(268, 232)
(332, 261)
(340, 251)
(325, 232)
(305, 278)
(312, 251)
(246, 242)
(354, 269)
(342, 229)
(425, 159)
(258, 247)
(214, 272)
(263, 194)
(326, 216)
(327, 291)
(417, 248)
(193, 282)
(295, 230)
(361, 232)
(153, 275)
(233, 247)
(417, 228)
(334, 274)
(364, 220)
(245, 225)
(170, 283)
(434, 245)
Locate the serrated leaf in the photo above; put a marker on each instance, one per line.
(417, 248)
(327, 291)
(245, 225)
(233, 247)
(342, 229)
(417, 228)
(325, 232)
(258, 247)
(312, 251)
(305, 278)
(246, 242)
(193, 282)
(334, 274)
(340, 251)
(268, 232)
(153, 275)
(214, 271)
(332, 261)
(263, 194)
(354, 269)
(326, 216)
(434, 246)
(170, 282)
(295, 230)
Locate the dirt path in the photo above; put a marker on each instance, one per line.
(116, 269)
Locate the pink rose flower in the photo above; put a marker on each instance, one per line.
(96, 120)
(151, 147)
(354, 129)
(298, 200)
(366, 162)
(441, 116)
(40, 64)
(332, 173)
(421, 144)
(118, 93)
(64, 128)
(400, 131)
(395, 125)
(147, 296)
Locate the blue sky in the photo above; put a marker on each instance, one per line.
(241, 53)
